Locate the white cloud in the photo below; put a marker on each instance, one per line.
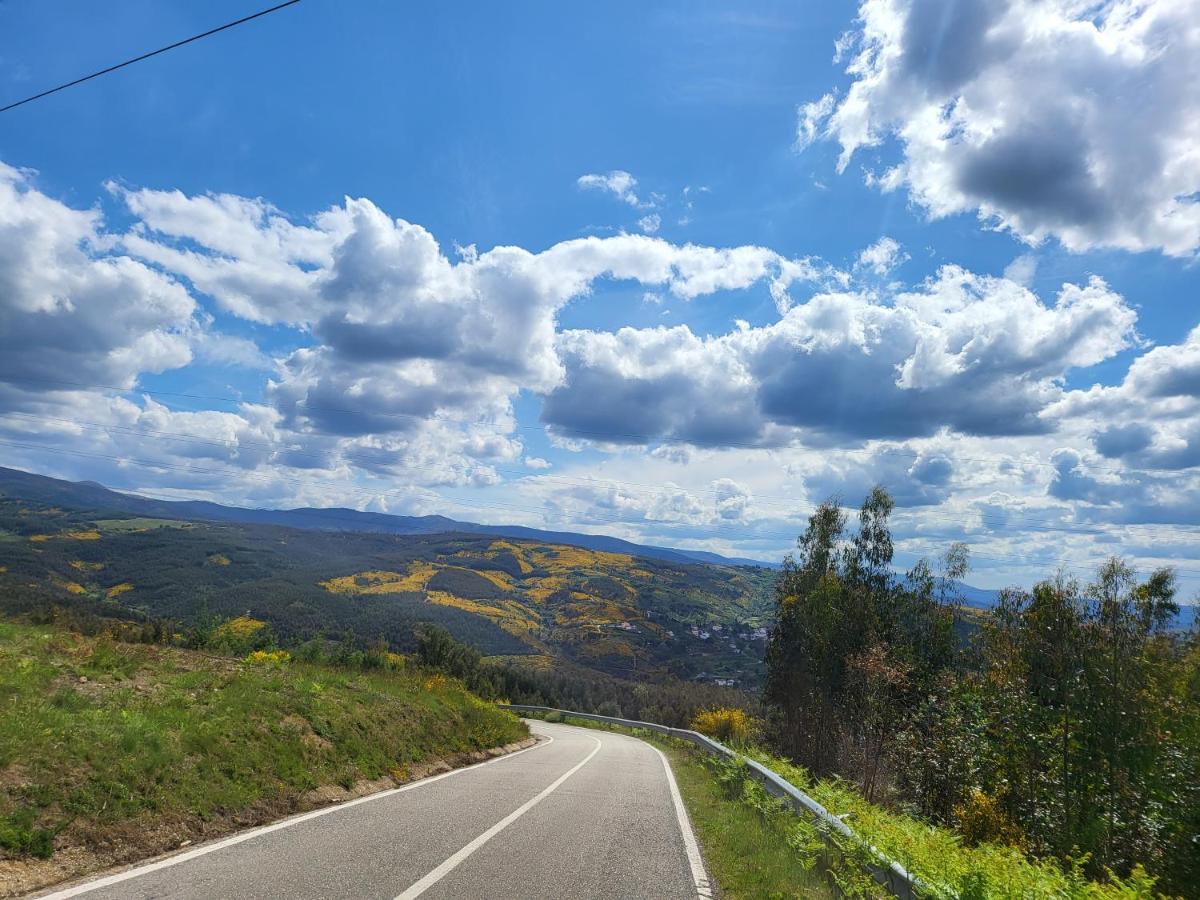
(410, 361)
(881, 257)
(964, 352)
(732, 499)
(651, 223)
(1022, 269)
(619, 183)
(1046, 117)
(70, 308)
(1163, 383)
(403, 333)
(913, 477)
(812, 119)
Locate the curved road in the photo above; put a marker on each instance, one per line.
(581, 814)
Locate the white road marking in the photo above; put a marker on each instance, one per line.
(267, 829)
(695, 860)
(458, 858)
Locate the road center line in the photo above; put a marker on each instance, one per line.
(458, 858)
(178, 858)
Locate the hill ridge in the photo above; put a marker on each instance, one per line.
(325, 519)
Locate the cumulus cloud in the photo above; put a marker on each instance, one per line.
(1154, 412)
(732, 499)
(1078, 121)
(968, 353)
(72, 308)
(881, 257)
(77, 314)
(404, 334)
(1123, 498)
(409, 360)
(913, 478)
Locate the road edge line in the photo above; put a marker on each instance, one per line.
(690, 844)
(205, 849)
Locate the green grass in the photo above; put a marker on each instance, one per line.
(947, 867)
(748, 853)
(99, 737)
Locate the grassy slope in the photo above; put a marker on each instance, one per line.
(939, 857)
(135, 748)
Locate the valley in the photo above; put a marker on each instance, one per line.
(527, 601)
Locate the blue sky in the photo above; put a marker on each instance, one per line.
(758, 254)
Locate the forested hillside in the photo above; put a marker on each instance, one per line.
(631, 616)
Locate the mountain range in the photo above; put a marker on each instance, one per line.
(88, 495)
(80, 494)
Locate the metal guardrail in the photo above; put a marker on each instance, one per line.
(889, 873)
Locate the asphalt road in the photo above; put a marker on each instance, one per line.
(582, 814)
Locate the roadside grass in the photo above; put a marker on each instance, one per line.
(126, 747)
(946, 865)
(748, 853)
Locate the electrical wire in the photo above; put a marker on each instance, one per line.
(137, 59)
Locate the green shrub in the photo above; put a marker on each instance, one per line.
(21, 836)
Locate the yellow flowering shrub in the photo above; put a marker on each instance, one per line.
(726, 724)
(268, 657)
(383, 582)
(241, 627)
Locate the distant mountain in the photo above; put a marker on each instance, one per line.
(90, 495)
(978, 598)
(982, 598)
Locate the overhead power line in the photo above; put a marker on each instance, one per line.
(136, 59)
